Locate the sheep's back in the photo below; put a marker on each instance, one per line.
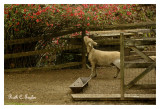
(105, 57)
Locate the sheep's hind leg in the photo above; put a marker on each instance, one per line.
(118, 70)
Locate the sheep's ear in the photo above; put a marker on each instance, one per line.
(95, 43)
(89, 44)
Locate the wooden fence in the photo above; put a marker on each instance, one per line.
(75, 44)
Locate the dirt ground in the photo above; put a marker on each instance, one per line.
(52, 87)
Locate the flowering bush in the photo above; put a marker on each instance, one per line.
(29, 20)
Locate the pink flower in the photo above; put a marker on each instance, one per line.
(129, 13)
(124, 7)
(37, 20)
(88, 24)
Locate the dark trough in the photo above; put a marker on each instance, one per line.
(79, 84)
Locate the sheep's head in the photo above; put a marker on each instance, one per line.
(89, 47)
(89, 43)
(87, 40)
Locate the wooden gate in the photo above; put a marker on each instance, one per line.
(148, 63)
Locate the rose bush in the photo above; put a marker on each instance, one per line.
(29, 20)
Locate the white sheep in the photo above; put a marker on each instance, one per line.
(102, 58)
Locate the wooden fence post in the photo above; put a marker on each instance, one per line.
(83, 50)
(122, 64)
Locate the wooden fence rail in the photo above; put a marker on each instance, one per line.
(37, 52)
(123, 26)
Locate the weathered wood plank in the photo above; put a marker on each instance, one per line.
(122, 64)
(108, 42)
(132, 57)
(107, 35)
(71, 64)
(141, 54)
(24, 40)
(137, 64)
(150, 53)
(113, 96)
(30, 53)
(129, 85)
(73, 41)
(139, 42)
(123, 26)
(115, 33)
(136, 57)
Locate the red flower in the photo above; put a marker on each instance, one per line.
(32, 17)
(109, 13)
(16, 11)
(38, 13)
(24, 10)
(16, 29)
(88, 24)
(87, 32)
(47, 24)
(51, 24)
(17, 23)
(57, 42)
(71, 14)
(37, 20)
(129, 13)
(5, 12)
(46, 57)
(124, 7)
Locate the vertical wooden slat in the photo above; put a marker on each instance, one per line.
(83, 50)
(122, 64)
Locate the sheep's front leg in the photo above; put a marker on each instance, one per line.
(118, 70)
(93, 72)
